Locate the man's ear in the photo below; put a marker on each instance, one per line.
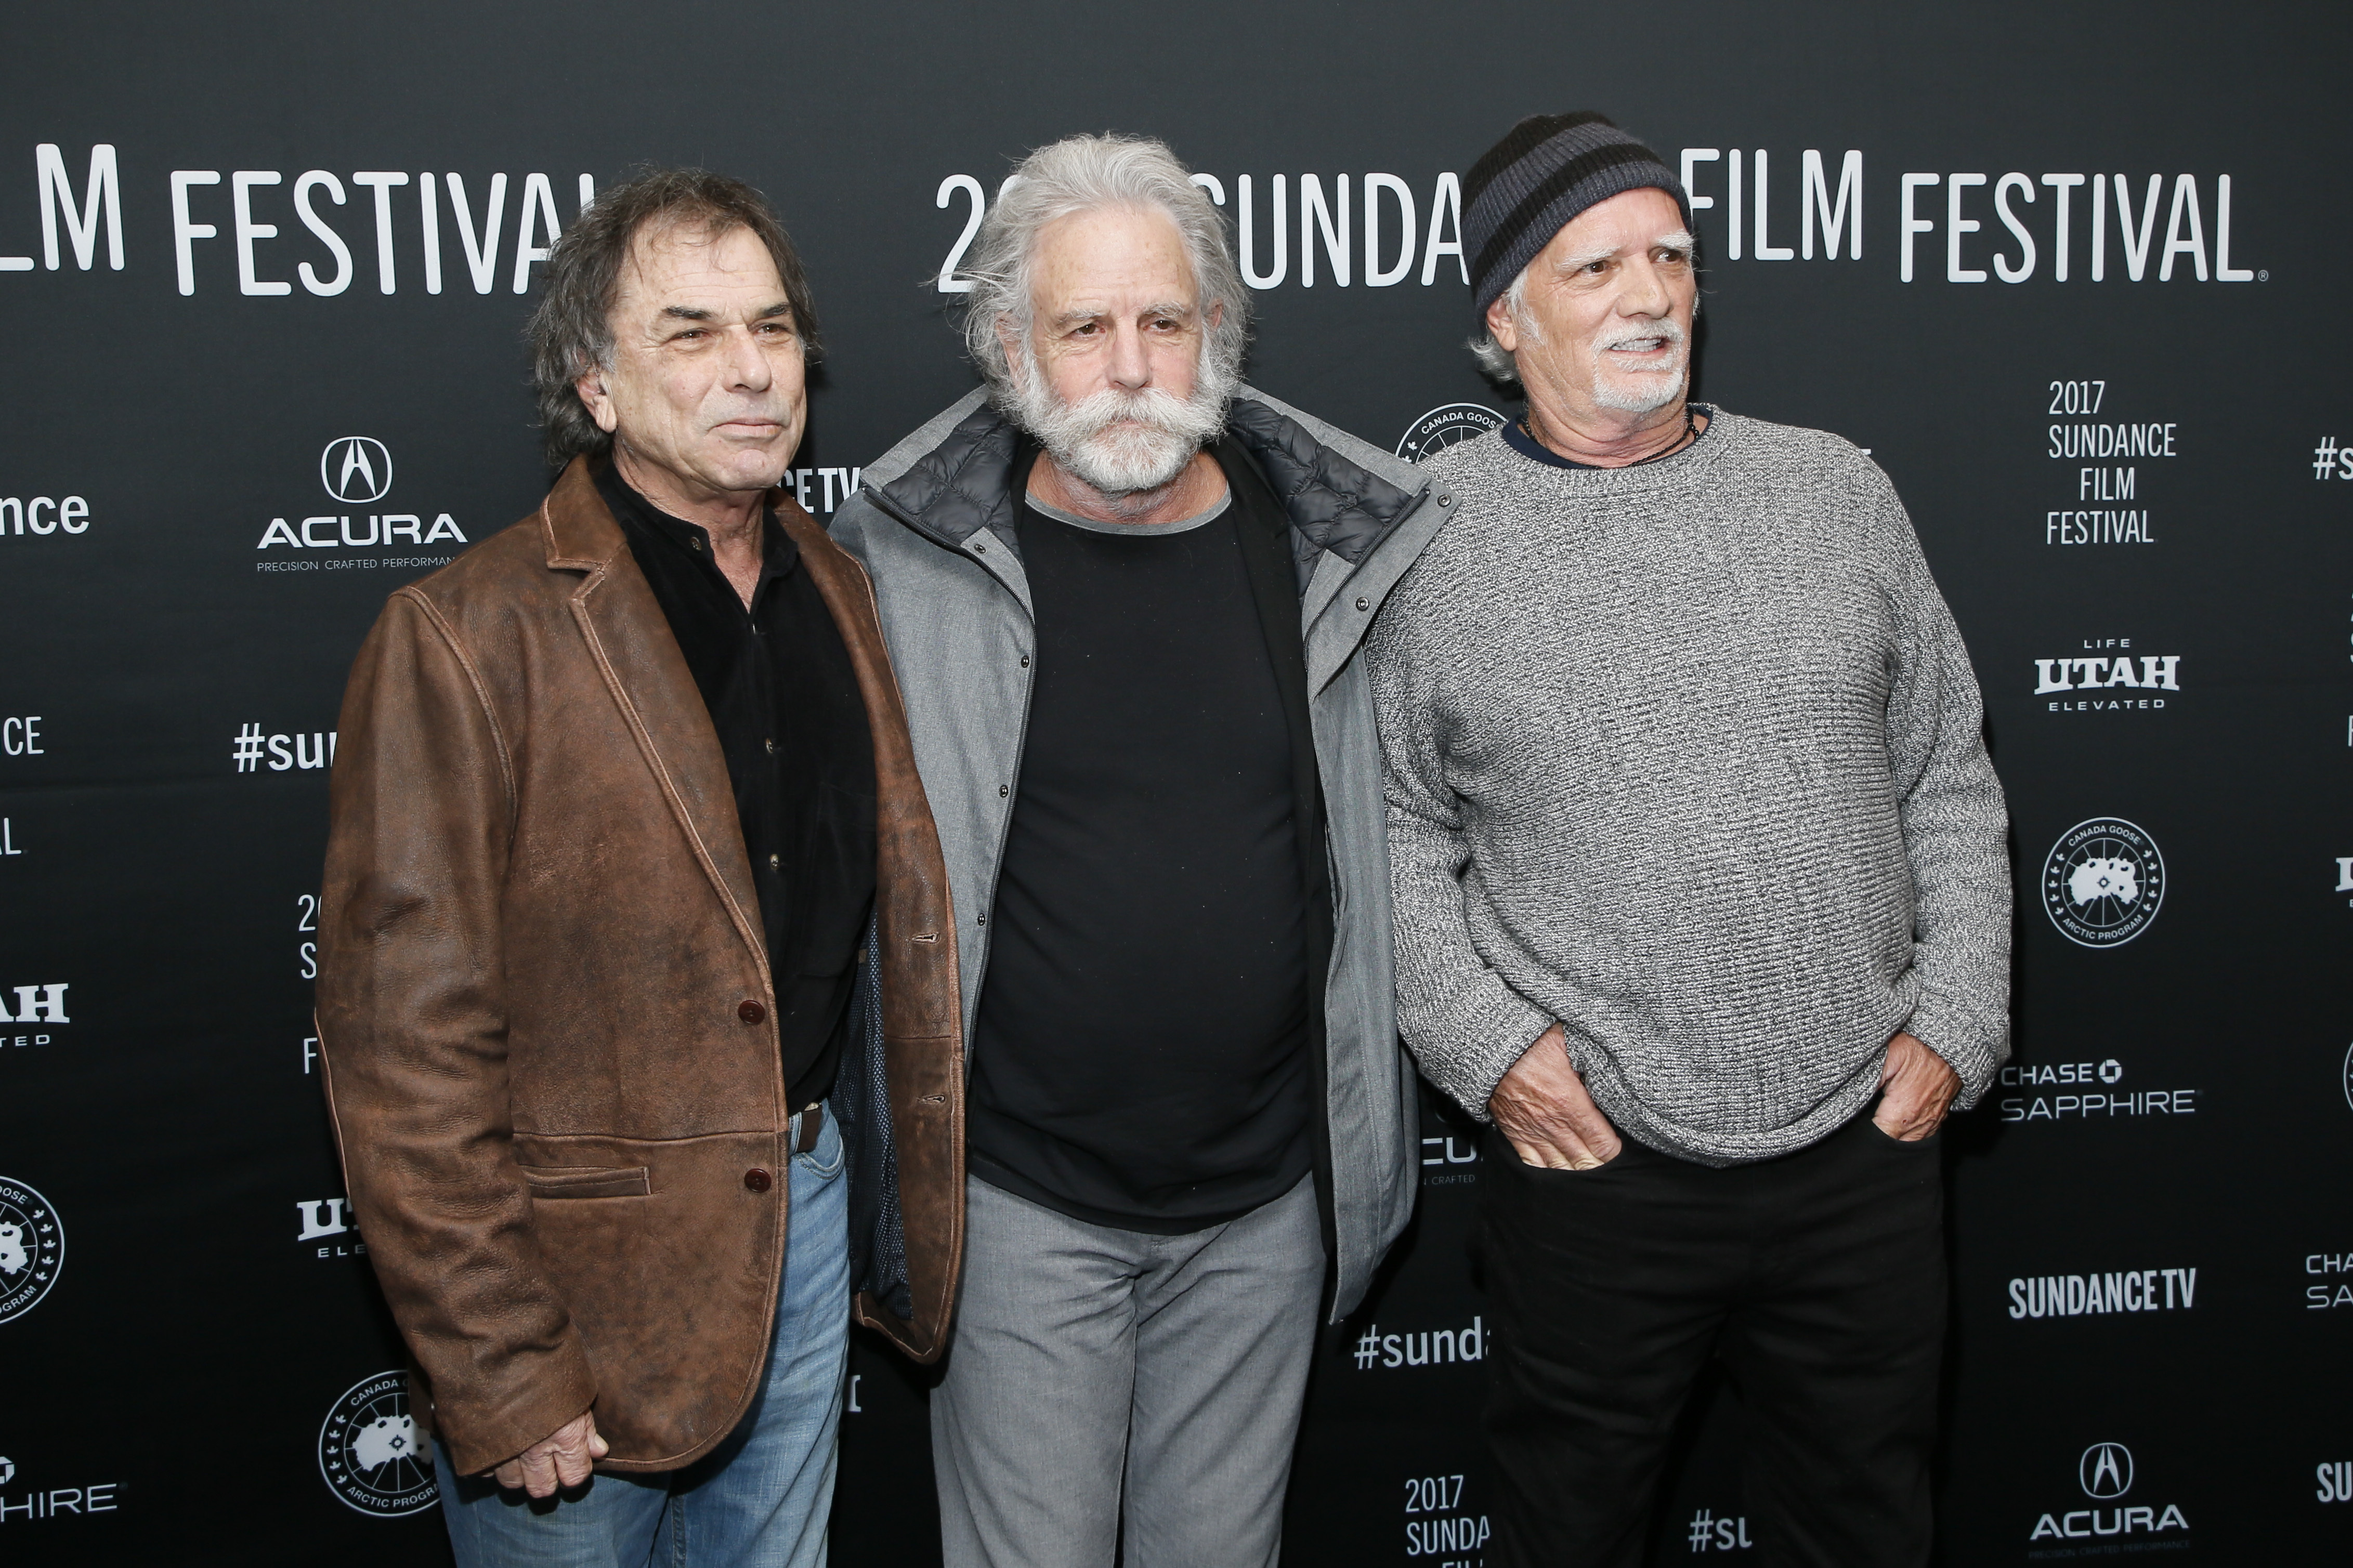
(1015, 365)
(1500, 326)
(589, 386)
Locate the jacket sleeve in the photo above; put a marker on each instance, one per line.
(1463, 1021)
(1956, 827)
(412, 1030)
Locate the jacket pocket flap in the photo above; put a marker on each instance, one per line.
(586, 1181)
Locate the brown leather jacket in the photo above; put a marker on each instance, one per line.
(546, 1011)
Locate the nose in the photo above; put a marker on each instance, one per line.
(1646, 292)
(747, 368)
(1129, 365)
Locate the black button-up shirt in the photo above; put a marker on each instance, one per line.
(783, 696)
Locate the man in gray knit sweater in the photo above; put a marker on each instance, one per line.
(1701, 893)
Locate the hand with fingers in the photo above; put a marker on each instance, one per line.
(561, 1460)
(1542, 1107)
(1915, 1089)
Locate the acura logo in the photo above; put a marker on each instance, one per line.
(2105, 1470)
(355, 468)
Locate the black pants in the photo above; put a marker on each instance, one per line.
(1819, 1276)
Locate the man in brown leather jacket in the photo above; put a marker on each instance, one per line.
(630, 875)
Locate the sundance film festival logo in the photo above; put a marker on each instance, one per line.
(2106, 1474)
(32, 1249)
(355, 471)
(1448, 425)
(369, 1453)
(2103, 882)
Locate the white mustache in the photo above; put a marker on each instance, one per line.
(1665, 330)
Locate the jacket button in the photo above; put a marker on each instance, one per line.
(756, 1180)
(750, 1011)
(1025, 661)
(1003, 790)
(1364, 603)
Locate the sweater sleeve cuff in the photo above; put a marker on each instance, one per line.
(1487, 1045)
(1971, 1050)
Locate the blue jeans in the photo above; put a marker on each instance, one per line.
(761, 1499)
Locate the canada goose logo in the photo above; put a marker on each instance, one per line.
(32, 1249)
(1445, 425)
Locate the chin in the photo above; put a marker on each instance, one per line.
(1641, 393)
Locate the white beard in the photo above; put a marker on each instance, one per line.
(1647, 390)
(1125, 443)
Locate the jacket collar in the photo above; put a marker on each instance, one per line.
(1336, 505)
(580, 532)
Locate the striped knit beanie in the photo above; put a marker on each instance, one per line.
(1546, 171)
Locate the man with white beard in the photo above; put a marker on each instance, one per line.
(1125, 598)
(1703, 896)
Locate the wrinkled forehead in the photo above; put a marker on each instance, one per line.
(1111, 258)
(678, 261)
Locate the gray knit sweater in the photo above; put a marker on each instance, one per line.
(1687, 757)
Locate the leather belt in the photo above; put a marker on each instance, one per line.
(812, 1122)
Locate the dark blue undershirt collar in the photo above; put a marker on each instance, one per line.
(1515, 433)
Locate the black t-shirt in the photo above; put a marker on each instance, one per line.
(783, 695)
(1141, 1058)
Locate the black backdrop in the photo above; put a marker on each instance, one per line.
(2151, 1300)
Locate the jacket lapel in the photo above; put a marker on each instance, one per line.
(630, 640)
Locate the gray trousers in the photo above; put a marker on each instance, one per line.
(1089, 1360)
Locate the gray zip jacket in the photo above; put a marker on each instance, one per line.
(933, 525)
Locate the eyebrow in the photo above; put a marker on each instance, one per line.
(1166, 308)
(698, 313)
(1680, 239)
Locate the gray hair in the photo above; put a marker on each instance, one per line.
(1495, 362)
(1089, 173)
(571, 333)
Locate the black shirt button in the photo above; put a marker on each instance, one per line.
(771, 745)
(750, 1011)
(756, 1180)
(776, 862)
